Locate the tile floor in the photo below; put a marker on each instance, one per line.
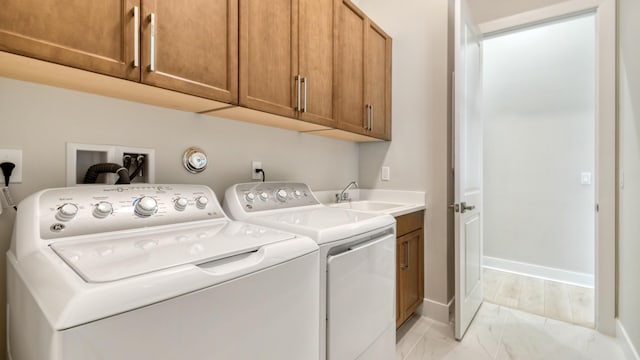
(574, 304)
(498, 332)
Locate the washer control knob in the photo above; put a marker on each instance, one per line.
(250, 197)
(180, 203)
(281, 195)
(102, 209)
(201, 202)
(264, 196)
(297, 194)
(67, 212)
(146, 206)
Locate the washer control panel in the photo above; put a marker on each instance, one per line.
(87, 210)
(255, 197)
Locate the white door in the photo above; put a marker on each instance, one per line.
(467, 168)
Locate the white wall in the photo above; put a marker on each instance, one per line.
(418, 153)
(629, 164)
(40, 120)
(539, 95)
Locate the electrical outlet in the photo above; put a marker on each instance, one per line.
(256, 165)
(14, 156)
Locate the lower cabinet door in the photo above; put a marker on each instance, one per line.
(411, 274)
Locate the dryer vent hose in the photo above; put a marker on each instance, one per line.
(92, 173)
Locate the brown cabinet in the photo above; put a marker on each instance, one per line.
(286, 58)
(409, 265)
(91, 35)
(314, 65)
(378, 81)
(189, 47)
(363, 73)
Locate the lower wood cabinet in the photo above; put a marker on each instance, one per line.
(409, 265)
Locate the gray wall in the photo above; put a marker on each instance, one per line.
(629, 164)
(539, 123)
(419, 150)
(40, 120)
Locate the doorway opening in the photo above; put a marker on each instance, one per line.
(539, 165)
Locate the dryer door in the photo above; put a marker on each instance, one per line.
(360, 300)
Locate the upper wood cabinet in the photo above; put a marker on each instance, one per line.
(363, 73)
(93, 35)
(286, 58)
(378, 81)
(315, 65)
(350, 61)
(191, 47)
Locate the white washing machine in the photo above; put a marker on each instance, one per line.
(155, 272)
(357, 264)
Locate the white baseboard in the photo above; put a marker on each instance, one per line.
(543, 272)
(630, 351)
(436, 310)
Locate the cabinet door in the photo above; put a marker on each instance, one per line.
(378, 81)
(315, 44)
(191, 47)
(268, 56)
(411, 272)
(92, 35)
(349, 64)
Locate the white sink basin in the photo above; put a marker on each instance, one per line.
(368, 205)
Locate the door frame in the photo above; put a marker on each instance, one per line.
(606, 141)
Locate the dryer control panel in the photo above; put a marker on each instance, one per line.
(254, 197)
(88, 210)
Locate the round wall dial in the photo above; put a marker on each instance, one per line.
(194, 160)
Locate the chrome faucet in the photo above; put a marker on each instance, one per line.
(344, 195)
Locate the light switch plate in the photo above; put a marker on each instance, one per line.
(14, 156)
(385, 174)
(585, 178)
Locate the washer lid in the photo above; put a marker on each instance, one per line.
(103, 260)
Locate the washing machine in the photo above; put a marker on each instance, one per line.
(357, 264)
(155, 272)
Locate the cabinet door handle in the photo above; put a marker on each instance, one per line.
(405, 263)
(407, 252)
(152, 43)
(136, 36)
(371, 117)
(366, 127)
(298, 106)
(304, 107)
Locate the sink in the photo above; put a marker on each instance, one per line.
(368, 205)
